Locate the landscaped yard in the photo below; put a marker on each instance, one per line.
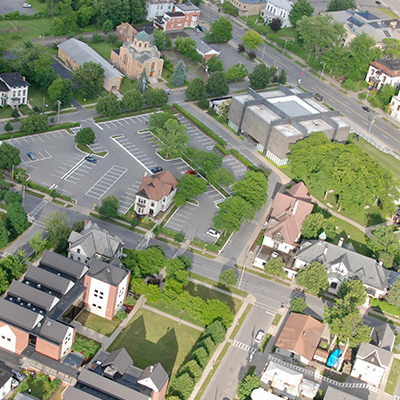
(35, 385)
(393, 377)
(96, 323)
(36, 95)
(103, 48)
(150, 338)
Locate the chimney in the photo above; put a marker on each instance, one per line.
(304, 333)
(151, 369)
(325, 250)
(23, 78)
(341, 241)
(393, 25)
(381, 263)
(86, 221)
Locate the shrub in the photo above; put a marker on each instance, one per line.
(348, 84)
(204, 103)
(201, 356)
(14, 113)
(193, 369)
(179, 237)
(96, 38)
(120, 316)
(208, 345)
(216, 331)
(221, 149)
(182, 387)
(8, 127)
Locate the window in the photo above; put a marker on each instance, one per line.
(95, 295)
(94, 305)
(101, 293)
(71, 256)
(398, 108)
(3, 337)
(384, 79)
(99, 307)
(101, 297)
(152, 204)
(79, 259)
(96, 291)
(19, 93)
(78, 250)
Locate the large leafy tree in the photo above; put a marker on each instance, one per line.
(85, 136)
(172, 138)
(237, 71)
(3, 235)
(9, 156)
(16, 218)
(61, 90)
(58, 231)
(132, 100)
(217, 84)
(158, 119)
(315, 224)
(214, 64)
(299, 9)
(339, 5)
(393, 296)
(392, 48)
(275, 267)
(90, 78)
(220, 31)
(189, 187)
(246, 387)
(34, 123)
(221, 176)
(261, 75)
(204, 161)
(228, 278)
(109, 106)
(145, 262)
(251, 40)
(196, 89)
(156, 97)
(109, 206)
(298, 304)
(159, 38)
(252, 188)
(314, 277)
(37, 243)
(385, 240)
(353, 292)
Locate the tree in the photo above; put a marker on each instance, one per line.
(15, 113)
(201, 357)
(109, 206)
(246, 387)
(16, 218)
(299, 9)
(8, 127)
(107, 26)
(159, 38)
(142, 81)
(261, 75)
(353, 292)
(138, 11)
(90, 78)
(221, 176)
(229, 8)
(3, 235)
(236, 72)
(78, 226)
(314, 277)
(220, 31)
(158, 119)
(339, 5)
(217, 84)
(384, 240)
(37, 243)
(298, 305)
(252, 40)
(85, 136)
(109, 106)
(9, 156)
(232, 212)
(282, 77)
(315, 224)
(187, 47)
(61, 90)
(13, 197)
(228, 278)
(172, 139)
(196, 89)
(204, 161)
(393, 296)
(275, 24)
(193, 369)
(179, 75)
(275, 267)
(156, 97)
(386, 93)
(392, 48)
(132, 100)
(34, 123)
(252, 188)
(190, 186)
(214, 64)
(58, 231)
(216, 331)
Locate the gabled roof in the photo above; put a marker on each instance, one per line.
(333, 393)
(14, 79)
(366, 269)
(299, 191)
(73, 393)
(54, 330)
(94, 240)
(156, 374)
(5, 376)
(128, 28)
(301, 335)
(282, 373)
(120, 359)
(204, 49)
(374, 355)
(18, 316)
(382, 336)
(108, 273)
(157, 186)
(64, 265)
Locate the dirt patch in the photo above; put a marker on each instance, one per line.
(11, 30)
(192, 69)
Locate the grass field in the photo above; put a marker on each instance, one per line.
(96, 323)
(150, 338)
(36, 95)
(393, 377)
(103, 48)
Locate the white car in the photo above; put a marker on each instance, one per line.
(26, 5)
(213, 233)
(260, 336)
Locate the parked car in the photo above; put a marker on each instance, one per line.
(14, 383)
(190, 172)
(91, 159)
(31, 156)
(365, 108)
(26, 5)
(379, 3)
(197, 30)
(202, 28)
(156, 169)
(20, 376)
(318, 97)
(260, 336)
(213, 233)
(168, 91)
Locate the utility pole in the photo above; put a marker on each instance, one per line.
(284, 49)
(323, 69)
(58, 113)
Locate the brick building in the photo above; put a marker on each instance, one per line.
(183, 16)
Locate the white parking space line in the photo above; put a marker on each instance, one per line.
(112, 176)
(127, 200)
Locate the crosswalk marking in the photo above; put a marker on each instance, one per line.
(245, 347)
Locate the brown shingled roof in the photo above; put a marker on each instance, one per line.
(157, 186)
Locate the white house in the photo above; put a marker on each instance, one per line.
(157, 8)
(384, 72)
(277, 9)
(92, 243)
(395, 107)
(374, 358)
(205, 50)
(155, 193)
(5, 383)
(13, 89)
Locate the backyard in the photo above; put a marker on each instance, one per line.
(393, 377)
(150, 338)
(96, 323)
(39, 387)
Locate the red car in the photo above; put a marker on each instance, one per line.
(190, 172)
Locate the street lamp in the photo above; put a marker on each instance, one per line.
(284, 49)
(58, 113)
(323, 69)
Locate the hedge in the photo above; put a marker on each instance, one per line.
(221, 149)
(52, 193)
(203, 127)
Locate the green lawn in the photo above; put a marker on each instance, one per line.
(393, 377)
(389, 12)
(36, 96)
(150, 338)
(103, 48)
(215, 284)
(96, 323)
(127, 85)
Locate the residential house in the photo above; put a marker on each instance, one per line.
(343, 263)
(288, 382)
(373, 22)
(13, 89)
(395, 113)
(299, 337)
(155, 193)
(248, 7)
(384, 72)
(94, 243)
(126, 32)
(333, 393)
(205, 50)
(5, 383)
(375, 358)
(107, 285)
(277, 9)
(114, 376)
(134, 57)
(157, 8)
(288, 212)
(75, 53)
(273, 120)
(183, 16)
(261, 394)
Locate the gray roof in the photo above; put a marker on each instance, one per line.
(144, 54)
(359, 266)
(284, 4)
(374, 355)
(14, 79)
(39, 276)
(143, 36)
(54, 330)
(333, 393)
(383, 336)
(109, 273)
(93, 241)
(391, 63)
(292, 108)
(109, 387)
(73, 393)
(187, 7)
(157, 374)
(81, 52)
(203, 47)
(64, 265)
(32, 295)
(120, 359)
(4, 377)
(18, 316)
(24, 396)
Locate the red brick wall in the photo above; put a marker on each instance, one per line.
(48, 349)
(22, 338)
